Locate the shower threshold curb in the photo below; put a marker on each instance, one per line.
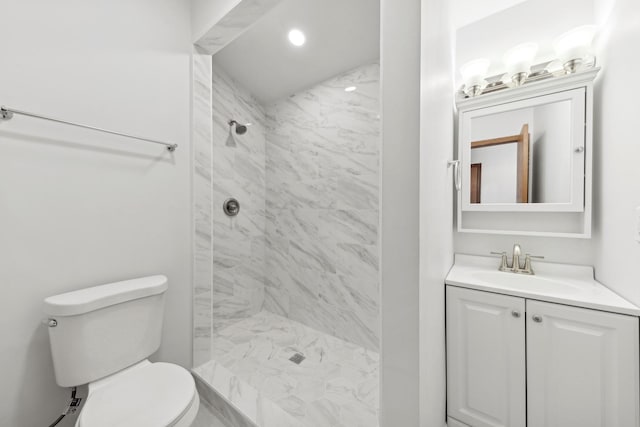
(242, 405)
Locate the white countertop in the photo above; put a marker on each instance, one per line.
(560, 283)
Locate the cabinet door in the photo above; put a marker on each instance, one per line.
(582, 367)
(485, 358)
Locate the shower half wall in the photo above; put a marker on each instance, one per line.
(297, 269)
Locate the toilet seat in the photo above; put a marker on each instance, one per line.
(144, 395)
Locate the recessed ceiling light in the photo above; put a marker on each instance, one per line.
(297, 37)
(350, 88)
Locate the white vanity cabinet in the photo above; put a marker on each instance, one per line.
(514, 361)
(486, 358)
(582, 367)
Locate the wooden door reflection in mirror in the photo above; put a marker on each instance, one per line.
(497, 180)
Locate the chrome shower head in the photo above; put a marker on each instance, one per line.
(240, 129)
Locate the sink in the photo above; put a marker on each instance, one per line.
(559, 283)
(526, 282)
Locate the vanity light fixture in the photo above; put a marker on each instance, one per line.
(297, 37)
(573, 53)
(574, 46)
(350, 88)
(473, 74)
(518, 60)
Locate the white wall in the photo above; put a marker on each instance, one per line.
(499, 172)
(80, 208)
(400, 212)
(465, 12)
(616, 154)
(539, 21)
(550, 152)
(505, 123)
(436, 204)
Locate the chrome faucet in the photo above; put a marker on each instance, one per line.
(515, 258)
(515, 261)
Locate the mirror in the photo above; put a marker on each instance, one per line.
(525, 153)
(500, 166)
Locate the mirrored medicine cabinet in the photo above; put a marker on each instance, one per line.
(525, 158)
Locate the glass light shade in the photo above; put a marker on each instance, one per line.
(519, 58)
(474, 72)
(574, 44)
(554, 67)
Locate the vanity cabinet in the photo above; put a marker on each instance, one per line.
(582, 366)
(514, 362)
(486, 358)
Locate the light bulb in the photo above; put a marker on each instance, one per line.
(518, 60)
(473, 74)
(297, 37)
(573, 46)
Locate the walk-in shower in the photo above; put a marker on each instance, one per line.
(287, 333)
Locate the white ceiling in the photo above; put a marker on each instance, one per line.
(344, 34)
(341, 35)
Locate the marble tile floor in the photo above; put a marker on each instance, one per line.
(335, 385)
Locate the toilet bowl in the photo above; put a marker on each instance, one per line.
(102, 336)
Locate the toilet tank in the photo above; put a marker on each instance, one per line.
(95, 332)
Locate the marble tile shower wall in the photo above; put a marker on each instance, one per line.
(322, 162)
(238, 170)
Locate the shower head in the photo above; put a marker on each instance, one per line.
(240, 129)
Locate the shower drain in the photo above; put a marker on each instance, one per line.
(297, 358)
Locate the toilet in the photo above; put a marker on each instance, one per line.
(102, 336)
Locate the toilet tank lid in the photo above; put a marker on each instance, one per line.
(97, 297)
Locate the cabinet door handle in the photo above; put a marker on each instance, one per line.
(537, 318)
(515, 313)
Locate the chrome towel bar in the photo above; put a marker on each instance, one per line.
(6, 113)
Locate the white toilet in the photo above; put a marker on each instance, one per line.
(102, 336)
